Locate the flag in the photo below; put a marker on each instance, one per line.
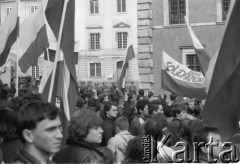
(222, 105)
(130, 55)
(52, 55)
(32, 40)
(181, 80)
(8, 34)
(202, 54)
(65, 85)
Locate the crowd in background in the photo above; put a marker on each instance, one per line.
(107, 126)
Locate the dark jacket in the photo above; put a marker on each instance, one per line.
(25, 157)
(108, 130)
(9, 149)
(79, 152)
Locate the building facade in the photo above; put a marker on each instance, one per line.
(103, 31)
(161, 27)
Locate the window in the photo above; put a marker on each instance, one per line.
(177, 11)
(225, 6)
(33, 8)
(193, 62)
(95, 41)
(95, 69)
(93, 6)
(121, 5)
(122, 40)
(35, 72)
(8, 10)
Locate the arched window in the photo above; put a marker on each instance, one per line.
(177, 11)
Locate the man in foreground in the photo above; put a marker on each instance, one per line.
(40, 131)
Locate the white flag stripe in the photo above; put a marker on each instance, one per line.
(195, 40)
(66, 83)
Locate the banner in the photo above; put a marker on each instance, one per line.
(181, 80)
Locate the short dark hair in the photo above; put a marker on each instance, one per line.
(32, 113)
(173, 96)
(203, 132)
(81, 122)
(150, 94)
(141, 104)
(154, 128)
(108, 105)
(134, 150)
(141, 92)
(122, 123)
(177, 109)
(8, 124)
(162, 118)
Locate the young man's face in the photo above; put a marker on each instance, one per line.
(191, 105)
(182, 115)
(47, 136)
(94, 135)
(112, 113)
(216, 138)
(145, 110)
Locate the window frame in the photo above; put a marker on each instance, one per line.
(95, 5)
(123, 6)
(8, 10)
(185, 53)
(96, 43)
(179, 20)
(224, 15)
(36, 71)
(95, 69)
(122, 44)
(35, 7)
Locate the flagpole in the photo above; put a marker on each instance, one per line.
(58, 49)
(48, 60)
(17, 81)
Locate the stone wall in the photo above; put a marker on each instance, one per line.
(145, 48)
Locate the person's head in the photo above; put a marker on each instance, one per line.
(135, 150)
(191, 104)
(173, 96)
(40, 127)
(85, 125)
(132, 82)
(158, 106)
(110, 109)
(154, 128)
(141, 92)
(8, 124)
(131, 97)
(189, 129)
(121, 124)
(179, 110)
(204, 134)
(150, 94)
(162, 118)
(79, 103)
(142, 107)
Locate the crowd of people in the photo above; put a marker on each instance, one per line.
(108, 125)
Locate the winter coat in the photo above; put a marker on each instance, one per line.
(79, 152)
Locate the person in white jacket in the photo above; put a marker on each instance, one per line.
(119, 142)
